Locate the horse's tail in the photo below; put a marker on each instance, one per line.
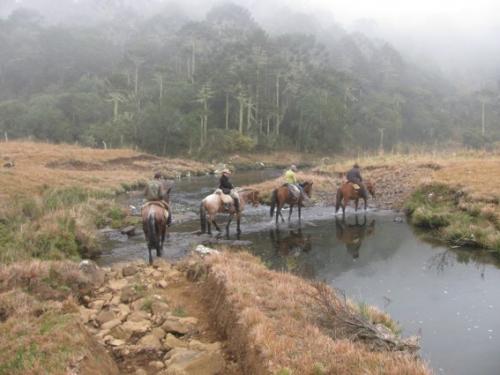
(203, 218)
(152, 235)
(339, 199)
(274, 200)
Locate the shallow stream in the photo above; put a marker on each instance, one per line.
(449, 297)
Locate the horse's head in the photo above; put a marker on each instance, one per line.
(307, 186)
(370, 186)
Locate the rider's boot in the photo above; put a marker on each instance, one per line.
(236, 204)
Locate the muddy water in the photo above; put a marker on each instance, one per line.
(449, 297)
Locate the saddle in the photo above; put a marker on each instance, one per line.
(162, 204)
(294, 190)
(355, 186)
(227, 199)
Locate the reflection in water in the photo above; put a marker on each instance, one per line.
(290, 247)
(352, 235)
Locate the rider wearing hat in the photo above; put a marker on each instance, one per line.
(354, 176)
(155, 191)
(227, 188)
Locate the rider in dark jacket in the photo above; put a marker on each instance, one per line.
(354, 176)
(226, 186)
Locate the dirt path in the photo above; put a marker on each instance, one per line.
(153, 320)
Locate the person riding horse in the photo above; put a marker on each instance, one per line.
(291, 180)
(354, 177)
(155, 193)
(227, 188)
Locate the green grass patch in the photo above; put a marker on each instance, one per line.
(451, 216)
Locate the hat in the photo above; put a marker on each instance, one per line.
(158, 175)
(293, 167)
(356, 165)
(227, 171)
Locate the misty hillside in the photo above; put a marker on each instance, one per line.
(172, 80)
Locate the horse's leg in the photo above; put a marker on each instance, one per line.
(150, 255)
(300, 212)
(229, 223)
(365, 203)
(238, 221)
(290, 213)
(357, 202)
(209, 224)
(215, 225)
(162, 240)
(281, 214)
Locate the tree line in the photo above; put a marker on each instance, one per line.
(171, 85)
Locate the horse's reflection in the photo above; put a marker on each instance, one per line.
(289, 247)
(352, 235)
(293, 244)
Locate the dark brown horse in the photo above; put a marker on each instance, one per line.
(154, 223)
(346, 192)
(282, 195)
(213, 204)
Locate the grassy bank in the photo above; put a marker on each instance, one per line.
(55, 197)
(40, 328)
(277, 323)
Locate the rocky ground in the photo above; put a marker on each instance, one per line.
(152, 322)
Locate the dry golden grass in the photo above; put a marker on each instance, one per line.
(42, 165)
(269, 319)
(40, 330)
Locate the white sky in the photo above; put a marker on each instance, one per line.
(465, 14)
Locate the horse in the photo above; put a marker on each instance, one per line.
(213, 204)
(282, 195)
(347, 192)
(154, 223)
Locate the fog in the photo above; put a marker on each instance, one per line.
(330, 75)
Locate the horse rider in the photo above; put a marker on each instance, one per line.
(155, 194)
(227, 188)
(291, 180)
(354, 176)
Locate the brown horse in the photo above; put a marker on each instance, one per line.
(155, 216)
(347, 192)
(213, 204)
(282, 195)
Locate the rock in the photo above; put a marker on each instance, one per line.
(175, 325)
(141, 371)
(158, 333)
(140, 304)
(193, 362)
(104, 316)
(180, 353)
(122, 310)
(157, 275)
(86, 314)
(116, 342)
(158, 365)
(202, 347)
(159, 308)
(115, 301)
(97, 304)
(138, 316)
(162, 284)
(172, 342)
(128, 295)
(150, 342)
(136, 327)
(129, 231)
(92, 271)
(111, 324)
(118, 284)
(205, 250)
(129, 270)
(119, 333)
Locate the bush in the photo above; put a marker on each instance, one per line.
(228, 141)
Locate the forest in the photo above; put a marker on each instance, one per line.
(171, 84)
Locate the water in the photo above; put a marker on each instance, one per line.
(449, 297)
